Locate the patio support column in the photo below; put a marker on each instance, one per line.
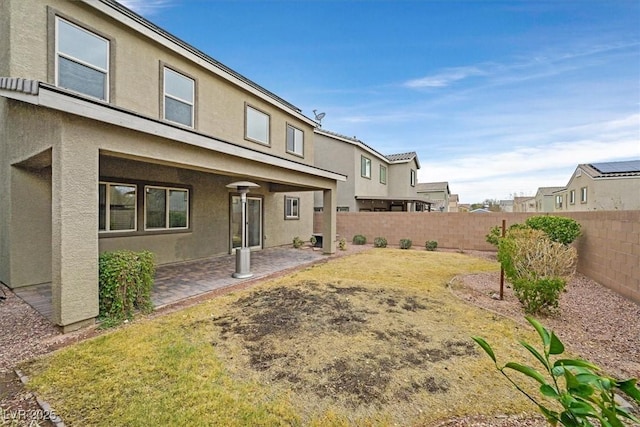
(329, 221)
(74, 243)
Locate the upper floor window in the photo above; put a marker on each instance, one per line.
(166, 208)
(179, 97)
(572, 197)
(383, 174)
(291, 207)
(365, 167)
(82, 60)
(583, 195)
(257, 125)
(413, 178)
(116, 207)
(295, 140)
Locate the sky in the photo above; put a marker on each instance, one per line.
(498, 98)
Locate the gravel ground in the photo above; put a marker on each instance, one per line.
(594, 322)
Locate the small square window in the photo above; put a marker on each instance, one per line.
(166, 208)
(291, 207)
(365, 167)
(295, 141)
(257, 125)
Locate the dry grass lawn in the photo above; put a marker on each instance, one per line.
(370, 339)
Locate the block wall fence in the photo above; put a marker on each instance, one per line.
(608, 249)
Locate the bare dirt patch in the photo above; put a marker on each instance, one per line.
(391, 354)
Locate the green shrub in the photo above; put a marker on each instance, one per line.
(380, 242)
(558, 228)
(359, 239)
(342, 244)
(313, 240)
(125, 279)
(577, 386)
(405, 243)
(431, 245)
(537, 267)
(297, 242)
(495, 233)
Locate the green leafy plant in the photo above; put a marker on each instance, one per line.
(495, 233)
(405, 243)
(583, 393)
(125, 279)
(431, 245)
(559, 229)
(537, 267)
(313, 240)
(380, 242)
(342, 244)
(297, 242)
(359, 239)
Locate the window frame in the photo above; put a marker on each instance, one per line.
(107, 219)
(291, 207)
(383, 174)
(295, 142)
(167, 190)
(57, 54)
(559, 201)
(365, 167)
(583, 195)
(248, 106)
(572, 197)
(412, 178)
(191, 103)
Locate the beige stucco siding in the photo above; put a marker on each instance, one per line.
(340, 157)
(369, 186)
(136, 69)
(400, 179)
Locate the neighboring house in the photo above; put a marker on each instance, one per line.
(524, 204)
(114, 134)
(506, 205)
(375, 182)
(464, 207)
(545, 199)
(605, 186)
(453, 203)
(437, 193)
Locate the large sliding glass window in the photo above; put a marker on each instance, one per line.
(116, 207)
(82, 60)
(179, 97)
(166, 208)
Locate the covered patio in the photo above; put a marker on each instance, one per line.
(179, 282)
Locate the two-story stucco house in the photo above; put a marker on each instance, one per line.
(436, 193)
(375, 182)
(114, 134)
(545, 198)
(605, 186)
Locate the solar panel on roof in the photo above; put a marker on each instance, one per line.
(618, 167)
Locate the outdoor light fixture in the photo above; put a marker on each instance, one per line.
(243, 253)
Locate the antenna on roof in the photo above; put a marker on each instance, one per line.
(319, 117)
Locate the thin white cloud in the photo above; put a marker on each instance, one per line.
(445, 78)
(147, 7)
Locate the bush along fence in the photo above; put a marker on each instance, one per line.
(125, 280)
(608, 244)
